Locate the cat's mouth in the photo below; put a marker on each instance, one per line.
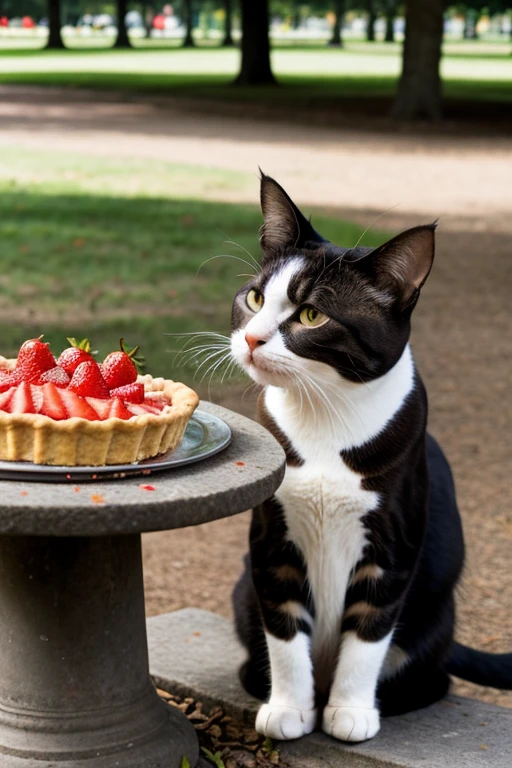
(266, 371)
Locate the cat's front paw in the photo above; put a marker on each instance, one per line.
(281, 722)
(351, 723)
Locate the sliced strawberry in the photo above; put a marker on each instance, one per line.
(52, 402)
(118, 410)
(87, 381)
(149, 408)
(136, 410)
(37, 397)
(102, 407)
(120, 368)
(21, 401)
(8, 380)
(34, 358)
(5, 399)
(78, 352)
(130, 393)
(57, 376)
(77, 406)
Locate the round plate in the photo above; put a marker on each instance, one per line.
(204, 436)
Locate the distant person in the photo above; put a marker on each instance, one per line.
(27, 22)
(4, 21)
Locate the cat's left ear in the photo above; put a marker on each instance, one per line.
(402, 265)
(284, 226)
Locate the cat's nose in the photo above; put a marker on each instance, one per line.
(253, 341)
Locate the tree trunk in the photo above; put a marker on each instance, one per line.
(470, 22)
(372, 18)
(228, 21)
(419, 89)
(147, 17)
(339, 13)
(255, 69)
(389, 37)
(54, 22)
(122, 39)
(296, 14)
(188, 12)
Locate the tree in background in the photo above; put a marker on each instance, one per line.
(188, 17)
(228, 21)
(339, 15)
(122, 40)
(390, 10)
(54, 21)
(370, 23)
(419, 88)
(255, 69)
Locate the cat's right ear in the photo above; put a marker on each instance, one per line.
(284, 226)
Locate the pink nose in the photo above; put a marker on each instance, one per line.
(253, 341)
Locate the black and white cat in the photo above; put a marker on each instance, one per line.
(346, 606)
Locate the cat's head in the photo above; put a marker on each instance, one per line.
(315, 307)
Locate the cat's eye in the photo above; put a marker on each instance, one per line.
(254, 300)
(312, 318)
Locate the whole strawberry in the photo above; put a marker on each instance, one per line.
(120, 368)
(34, 359)
(78, 352)
(87, 381)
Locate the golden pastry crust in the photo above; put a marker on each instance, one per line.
(78, 442)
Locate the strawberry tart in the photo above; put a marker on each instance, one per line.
(72, 411)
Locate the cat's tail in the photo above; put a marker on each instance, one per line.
(490, 669)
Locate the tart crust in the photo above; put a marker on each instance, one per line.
(78, 442)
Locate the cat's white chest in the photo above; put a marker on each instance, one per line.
(324, 505)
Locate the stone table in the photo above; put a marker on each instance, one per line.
(75, 690)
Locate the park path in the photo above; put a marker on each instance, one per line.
(452, 176)
(462, 328)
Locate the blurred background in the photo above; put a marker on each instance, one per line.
(130, 140)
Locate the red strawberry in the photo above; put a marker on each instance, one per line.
(120, 368)
(21, 401)
(102, 407)
(130, 393)
(8, 380)
(57, 376)
(77, 406)
(34, 358)
(118, 410)
(150, 408)
(52, 403)
(37, 397)
(5, 399)
(87, 381)
(78, 352)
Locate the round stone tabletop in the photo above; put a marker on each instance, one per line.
(245, 474)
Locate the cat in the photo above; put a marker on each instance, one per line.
(346, 604)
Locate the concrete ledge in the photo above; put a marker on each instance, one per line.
(194, 652)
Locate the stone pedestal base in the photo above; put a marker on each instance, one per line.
(75, 690)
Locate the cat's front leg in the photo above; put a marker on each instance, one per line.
(352, 713)
(280, 581)
(290, 712)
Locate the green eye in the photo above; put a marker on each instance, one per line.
(254, 300)
(312, 318)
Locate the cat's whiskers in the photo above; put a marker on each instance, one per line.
(242, 248)
(228, 256)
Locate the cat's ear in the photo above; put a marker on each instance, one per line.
(402, 265)
(284, 226)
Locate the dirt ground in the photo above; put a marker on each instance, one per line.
(462, 334)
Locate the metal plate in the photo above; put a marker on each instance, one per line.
(205, 436)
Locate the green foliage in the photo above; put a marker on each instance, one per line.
(216, 758)
(185, 763)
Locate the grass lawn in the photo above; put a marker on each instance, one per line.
(309, 73)
(108, 248)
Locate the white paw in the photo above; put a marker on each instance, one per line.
(351, 723)
(280, 722)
